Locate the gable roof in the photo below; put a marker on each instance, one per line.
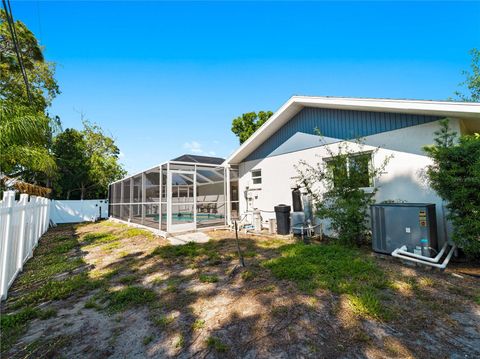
(295, 104)
(199, 159)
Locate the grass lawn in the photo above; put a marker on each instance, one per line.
(108, 290)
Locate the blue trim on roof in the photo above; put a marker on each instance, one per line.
(341, 124)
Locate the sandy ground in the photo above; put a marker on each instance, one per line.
(246, 313)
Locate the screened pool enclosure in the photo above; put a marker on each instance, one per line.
(184, 194)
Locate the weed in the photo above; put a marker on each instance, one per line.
(249, 254)
(133, 232)
(267, 288)
(198, 324)
(157, 280)
(172, 285)
(112, 245)
(13, 325)
(64, 246)
(247, 275)
(99, 238)
(147, 340)
(128, 279)
(128, 297)
(190, 250)
(47, 313)
(180, 342)
(92, 304)
(55, 290)
(163, 321)
(208, 278)
(280, 311)
(216, 344)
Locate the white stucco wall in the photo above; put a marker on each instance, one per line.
(404, 179)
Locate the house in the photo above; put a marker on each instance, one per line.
(267, 161)
(192, 192)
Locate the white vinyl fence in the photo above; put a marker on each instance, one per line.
(22, 223)
(75, 211)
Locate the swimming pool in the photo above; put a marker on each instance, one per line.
(188, 217)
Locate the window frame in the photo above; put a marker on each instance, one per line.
(256, 177)
(371, 179)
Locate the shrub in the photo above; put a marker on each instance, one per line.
(455, 175)
(337, 187)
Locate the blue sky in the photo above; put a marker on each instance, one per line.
(168, 78)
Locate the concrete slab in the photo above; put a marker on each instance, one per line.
(197, 237)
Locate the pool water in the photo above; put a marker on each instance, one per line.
(188, 217)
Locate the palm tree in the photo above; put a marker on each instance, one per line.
(24, 137)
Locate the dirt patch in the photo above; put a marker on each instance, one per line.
(136, 296)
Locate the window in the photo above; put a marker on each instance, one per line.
(354, 167)
(257, 176)
(359, 169)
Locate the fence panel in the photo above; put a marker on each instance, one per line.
(22, 223)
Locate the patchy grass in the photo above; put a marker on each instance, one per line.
(163, 321)
(147, 340)
(215, 343)
(190, 250)
(247, 275)
(55, 290)
(128, 279)
(134, 232)
(337, 268)
(13, 325)
(99, 238)
(286, 292)
(129, 297)
(208, 278)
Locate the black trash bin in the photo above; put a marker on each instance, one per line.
(282, 212)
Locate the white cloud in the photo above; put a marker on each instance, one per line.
(193, 147)
(121, 155)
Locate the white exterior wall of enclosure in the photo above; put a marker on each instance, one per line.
(174, 197)
(22, 224)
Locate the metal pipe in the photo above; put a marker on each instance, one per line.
(436, 265)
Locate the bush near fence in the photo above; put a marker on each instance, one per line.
(22, 223)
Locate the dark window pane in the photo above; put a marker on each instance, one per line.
(359, 168)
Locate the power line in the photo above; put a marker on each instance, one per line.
(13, 33)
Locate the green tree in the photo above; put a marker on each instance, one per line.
(40, 73)
(70, 151)
(26, 130)
(337, 187)
(455, 175)
(245, 125)
(87, 162)
(472, 79)
(23, 144)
